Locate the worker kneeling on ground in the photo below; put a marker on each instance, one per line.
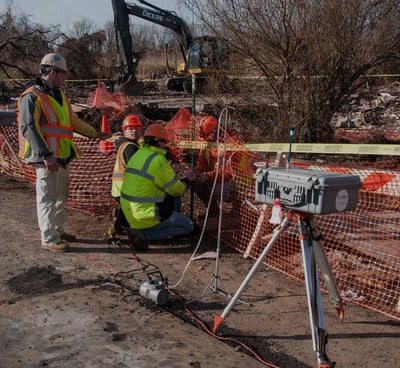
(126, 147)
(149, 190)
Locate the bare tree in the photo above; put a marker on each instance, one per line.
(91, 52)
(22, 44)
(82, 46)
(311, 54)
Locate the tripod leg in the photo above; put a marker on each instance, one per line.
(256, 235)
(326, 271)
(330, 282)
(316, 314)
(218, 319)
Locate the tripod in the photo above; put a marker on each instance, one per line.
(313, 255)
(221, 163)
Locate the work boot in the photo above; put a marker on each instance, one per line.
(119, 230)
(136, 241)
(59, 247)
(68, 237)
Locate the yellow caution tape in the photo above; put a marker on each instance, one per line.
(354, 149)
(193, 144)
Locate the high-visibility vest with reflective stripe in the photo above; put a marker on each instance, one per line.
(148, 178)
(242, 168)
(56, 130)
(119, 170)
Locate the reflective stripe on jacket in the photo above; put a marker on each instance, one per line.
(38, 110)
(149, 177)
(119, 169)
(55, 129)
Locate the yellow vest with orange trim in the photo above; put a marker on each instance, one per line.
(243, 169)
(119, 170)
(56, 131)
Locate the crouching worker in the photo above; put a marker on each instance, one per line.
(126, 147)
(149, 190)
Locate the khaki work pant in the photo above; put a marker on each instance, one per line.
(52, 190)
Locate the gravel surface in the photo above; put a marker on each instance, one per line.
(83, 308)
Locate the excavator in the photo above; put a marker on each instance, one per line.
(206, 57)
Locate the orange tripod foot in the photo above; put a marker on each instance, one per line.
(217, 321)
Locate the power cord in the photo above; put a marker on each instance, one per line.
(219, 337)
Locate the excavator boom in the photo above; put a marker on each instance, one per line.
(201, 55)
(154, 14)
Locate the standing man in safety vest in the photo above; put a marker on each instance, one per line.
(126, 146)
(46, 126)
(149, 190)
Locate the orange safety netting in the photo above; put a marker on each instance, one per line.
(108, 103)
(362, 246)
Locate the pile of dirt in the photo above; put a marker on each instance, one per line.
(369, 116)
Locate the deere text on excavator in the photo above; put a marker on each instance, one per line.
(207, 57)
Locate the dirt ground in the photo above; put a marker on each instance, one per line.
(83, 309)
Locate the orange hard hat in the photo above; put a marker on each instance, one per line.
(207, 125)
(156, 131)
(130, 121)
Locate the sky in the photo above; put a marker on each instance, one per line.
(67, 12)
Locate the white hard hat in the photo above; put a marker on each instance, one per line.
(54, 60)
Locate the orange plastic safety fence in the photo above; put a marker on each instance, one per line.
(362, 246)
(90, 176)
(108, 103)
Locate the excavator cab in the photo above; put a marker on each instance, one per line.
(207, 55)
(208, 58)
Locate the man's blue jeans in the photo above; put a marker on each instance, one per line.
(176, 224)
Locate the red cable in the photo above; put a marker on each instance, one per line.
(202, 324)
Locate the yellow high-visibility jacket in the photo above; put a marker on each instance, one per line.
(148, 179)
